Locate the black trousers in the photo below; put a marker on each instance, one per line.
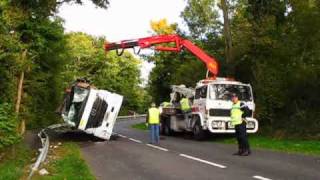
(242, 138)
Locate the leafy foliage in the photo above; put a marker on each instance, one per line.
(8, 125)
(201, 17)
(118, 74)
(276, 49)
(162, 27)
(17, 157)
(53, 60)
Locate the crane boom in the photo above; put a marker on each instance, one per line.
(179, 43)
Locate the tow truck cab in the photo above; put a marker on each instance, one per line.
(212, 104)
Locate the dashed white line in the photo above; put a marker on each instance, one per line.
(157, 147)
(261, 178)
(122, 136)
(203, 161)
(135, 140)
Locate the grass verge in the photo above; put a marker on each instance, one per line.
(141, 126)
(14, 160)
(307, 147)
(66, 162)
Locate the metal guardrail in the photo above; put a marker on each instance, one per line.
(43, 151)
(45, 147)
(132, 116)
(45, 141)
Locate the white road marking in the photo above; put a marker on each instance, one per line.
(261, 178)
(135, 140)
(122, 136)
(99, 142)
(157, 147)
(203, 161)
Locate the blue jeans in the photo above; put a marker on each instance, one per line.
(154, 133)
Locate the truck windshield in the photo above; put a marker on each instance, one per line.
(224, 92)
(201, 92)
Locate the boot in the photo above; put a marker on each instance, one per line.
(245, 153)
(240, 151)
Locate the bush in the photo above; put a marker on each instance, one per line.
(8, 126)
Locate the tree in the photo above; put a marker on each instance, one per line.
(201, 18)
(118, 74)
(277, 43)
(162, 27)
(227, 36)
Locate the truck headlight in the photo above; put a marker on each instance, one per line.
(250, 125)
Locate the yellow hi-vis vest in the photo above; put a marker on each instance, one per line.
(166, 104)
(154, 116)
(184, 102)
(236, 114)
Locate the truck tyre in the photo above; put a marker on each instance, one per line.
(198, 133)
(165, 128)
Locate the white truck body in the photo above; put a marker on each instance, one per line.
(98, 113)
(210, 109)
(213, 108)
(106, 123)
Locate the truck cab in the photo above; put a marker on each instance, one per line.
(212, 104)
(90, 110)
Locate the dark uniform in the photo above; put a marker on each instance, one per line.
(238, 113)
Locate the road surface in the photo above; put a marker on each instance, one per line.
(131, 157)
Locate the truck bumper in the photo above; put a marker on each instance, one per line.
(223, 125)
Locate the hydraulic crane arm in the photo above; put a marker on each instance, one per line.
(179, 43)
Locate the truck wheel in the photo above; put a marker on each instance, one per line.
(198, 133)
(165, 128)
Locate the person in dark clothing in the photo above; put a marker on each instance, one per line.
(238, 113)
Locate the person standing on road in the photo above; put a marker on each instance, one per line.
(153, 120)
(185, 107)
(238, 114)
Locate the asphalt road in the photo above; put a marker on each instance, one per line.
(130, 157)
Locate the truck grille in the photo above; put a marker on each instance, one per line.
(219, 112)
(225, 112)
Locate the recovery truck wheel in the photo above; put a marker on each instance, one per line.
(165, 127)
(198, 133)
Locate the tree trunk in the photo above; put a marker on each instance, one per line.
(19, 94)
(227, 37)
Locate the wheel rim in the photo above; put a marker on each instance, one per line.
(166, 129)
(196, 129)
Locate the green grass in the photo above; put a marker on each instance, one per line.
(14, 161)
(141, 126)
(70, 165)
(307, 147)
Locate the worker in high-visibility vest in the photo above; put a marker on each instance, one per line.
(153, 121)
(238, 114)
(185, 107)
(166, 104)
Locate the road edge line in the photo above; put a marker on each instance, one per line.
(135, 140)
(157, 147)
(261, 178)
(203, 161)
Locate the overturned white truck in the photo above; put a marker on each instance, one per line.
(91, 110)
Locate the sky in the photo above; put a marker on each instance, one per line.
(124, 19)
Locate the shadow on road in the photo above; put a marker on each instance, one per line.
(76, 136)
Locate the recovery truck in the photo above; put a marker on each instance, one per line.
(211, 102)
(89, 109)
